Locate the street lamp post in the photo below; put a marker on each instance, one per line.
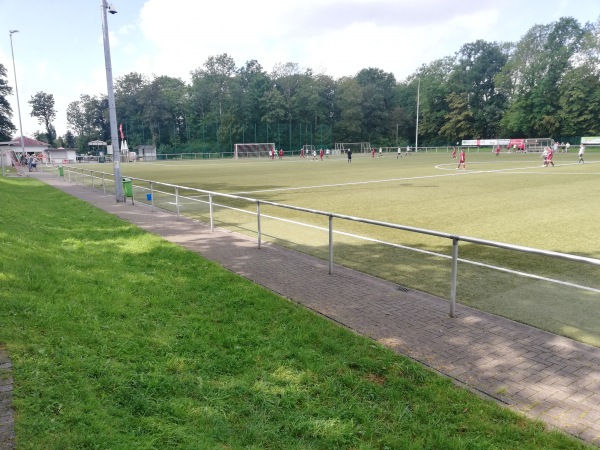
(112, 110)
(417, 128)
(17, 91)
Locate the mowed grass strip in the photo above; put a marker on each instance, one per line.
(120, 339)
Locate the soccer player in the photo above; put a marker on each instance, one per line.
(314, 155)
(453, 152)
(373, 152)
(545, 156)
(327, 154)
(380, 153)
(498, 150)
(280, 153)
(302, 152)
(581, 152)
(550, 155)
(349, 155)
(399, 153)
(462, 160)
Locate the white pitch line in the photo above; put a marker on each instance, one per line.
(390, 180)
(353, 183)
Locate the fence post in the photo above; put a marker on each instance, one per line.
(210, 207)
(92, 175)
(454, 276)
(258, 221)
(152, 195)
(103, 184)
(330, 244)
(177, 200)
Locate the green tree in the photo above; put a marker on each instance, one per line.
(580, 88)
(7, 128)
(42, 108)
(348, 110)
(88, 118)
(253, 84)
(532, 77)
(475, 72)
(287, 78)
(129, 91)
(163, 101)
(434, 90)
(460, 123)
(378, 90)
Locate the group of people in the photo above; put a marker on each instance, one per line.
(273, 153)
(548, 153)
(321, 153)
(30, 160)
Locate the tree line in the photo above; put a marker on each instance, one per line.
(545, 85)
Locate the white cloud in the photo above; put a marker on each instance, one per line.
(341, 37)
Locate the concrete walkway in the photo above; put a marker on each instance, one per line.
(545, 376)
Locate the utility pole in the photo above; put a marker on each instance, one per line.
(112, 110)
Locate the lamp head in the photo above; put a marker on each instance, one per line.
(13, 31)
(111, 9)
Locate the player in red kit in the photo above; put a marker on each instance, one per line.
(462, 160)
(549, 157)
(453, 152)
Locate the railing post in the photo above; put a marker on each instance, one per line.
(177, 200)
(258, 222)
(103, 183)
(92, 175)
(210, 208)
(330, 244)
(152, 195)
(454, 276)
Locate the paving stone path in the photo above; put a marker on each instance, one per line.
(7, 433)
(543, 375)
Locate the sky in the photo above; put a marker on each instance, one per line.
(59, 48)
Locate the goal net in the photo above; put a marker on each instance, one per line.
(362, 147)
(308, 148)
(253, 150)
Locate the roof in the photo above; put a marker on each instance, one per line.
(29, 142)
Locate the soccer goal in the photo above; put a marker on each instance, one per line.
(308, 148)
(253, 150)
(362, 147)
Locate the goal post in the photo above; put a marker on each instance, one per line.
(356, 147)
(253, 150)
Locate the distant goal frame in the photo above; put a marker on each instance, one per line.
(253, 149)
(364, 147)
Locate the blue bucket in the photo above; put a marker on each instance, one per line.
(149, 197)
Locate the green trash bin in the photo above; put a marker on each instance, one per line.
(128, 187)
(61, 171)
(102, 159)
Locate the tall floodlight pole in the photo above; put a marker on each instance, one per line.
(417, 129)
(17, 91)
(112, 110)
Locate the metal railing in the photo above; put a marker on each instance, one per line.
(96, 179)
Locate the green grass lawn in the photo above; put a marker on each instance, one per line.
(122, 340)
(511, 198)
